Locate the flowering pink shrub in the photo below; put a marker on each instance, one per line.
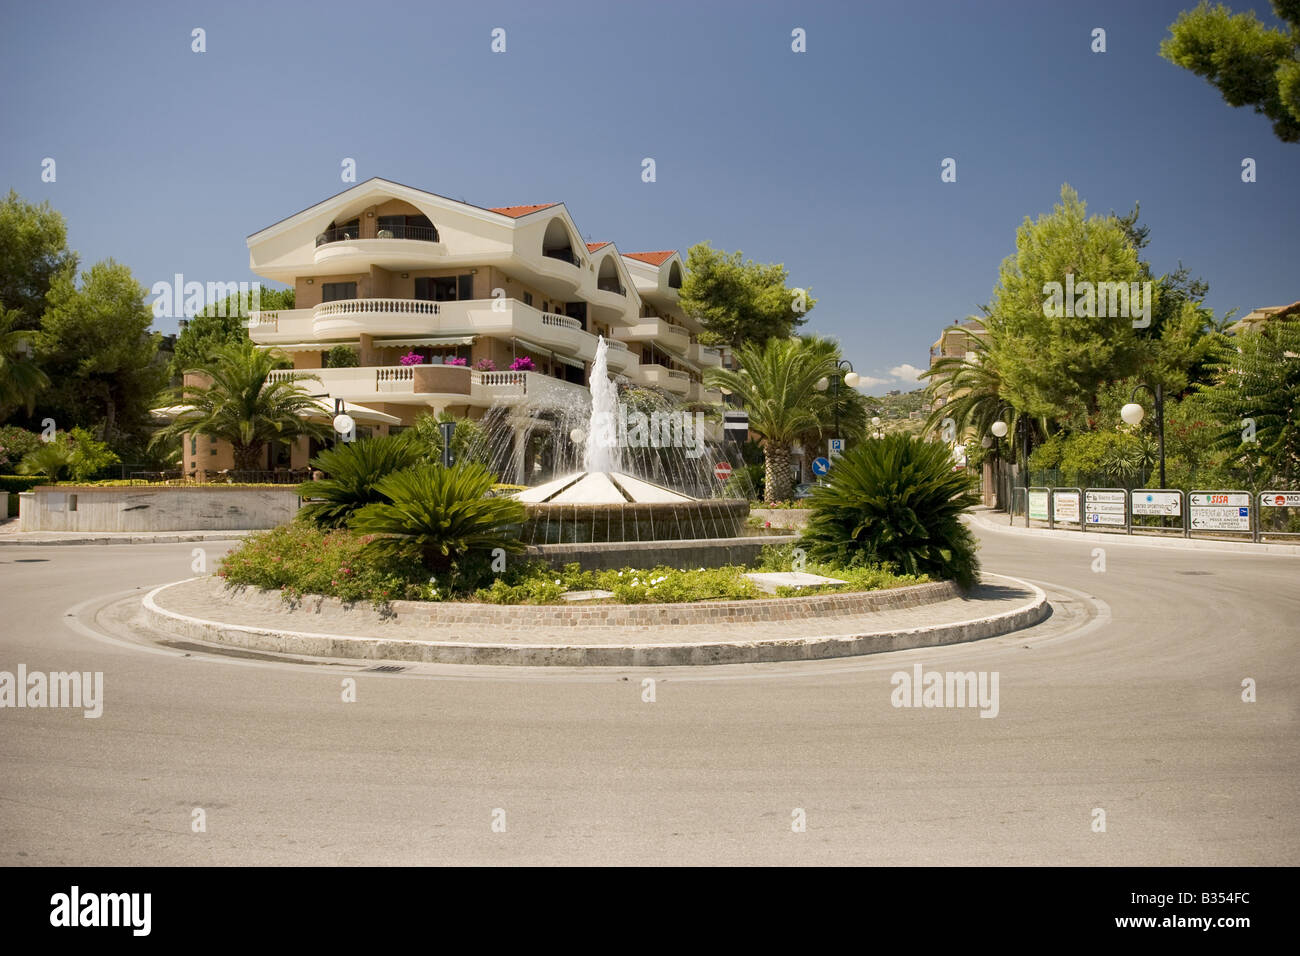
(485, 365)
(456, 360)
(522, 364)
(411, 358)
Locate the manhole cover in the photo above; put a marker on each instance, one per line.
(386, 669)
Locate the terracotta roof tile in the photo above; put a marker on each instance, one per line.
(593, 246)
(653, 258)
(515, 212)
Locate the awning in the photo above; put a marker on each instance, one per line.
(308, 346)
(361, 413)
(547, 350)
(425, 340)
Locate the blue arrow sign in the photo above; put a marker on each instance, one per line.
(820, 466)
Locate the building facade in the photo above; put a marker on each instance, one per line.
(503, 306)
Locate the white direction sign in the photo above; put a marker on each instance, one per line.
(1220, 511)
(1065, 506)
(1280, 499)
(1038, 505)
(1104, 507)
(1157, 503)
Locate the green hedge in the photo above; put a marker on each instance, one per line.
(13, 484)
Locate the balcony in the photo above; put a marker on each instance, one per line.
(396, 246)
(674, 338)
(431, 385)
(669, 379)
(704, 355)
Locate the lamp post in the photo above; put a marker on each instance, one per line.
(851, 379)
(1133, 413)
(999, 430)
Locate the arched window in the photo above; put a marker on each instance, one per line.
(675, 276)
(607, 277)
(557, 244)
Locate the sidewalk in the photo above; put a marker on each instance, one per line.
(11, 536)
(990, 520)
(201, 609)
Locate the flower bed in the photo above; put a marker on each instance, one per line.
(299, 560)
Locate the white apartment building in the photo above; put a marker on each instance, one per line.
(385, 270)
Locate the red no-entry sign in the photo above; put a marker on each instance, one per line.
(722, 471)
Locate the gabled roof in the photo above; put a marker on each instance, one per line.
(653, 258)
(593, 246)
(517, 212)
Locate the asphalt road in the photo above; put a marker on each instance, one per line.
(1128, 701)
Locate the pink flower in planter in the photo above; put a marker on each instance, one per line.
(411, 358)
(522, 364)
(485, 365)
(456, 360)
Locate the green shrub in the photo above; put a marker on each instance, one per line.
(16, 484)
(446, 512)
(15, 442)
(299, 559)
(354, 468)
(342, 356)
(895, 501)
(76, 455)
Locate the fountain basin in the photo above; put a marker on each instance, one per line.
(577, 523)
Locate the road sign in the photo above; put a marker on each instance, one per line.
(1038, 505)
(1065, 506)
(1104, 507)
(834, 446)
(1280, 499)
(820, 466)
(1220, 510)
(735, 426)
(1157, 502)
(722, 471)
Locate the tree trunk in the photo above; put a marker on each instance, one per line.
(777, 481)
(248, 457)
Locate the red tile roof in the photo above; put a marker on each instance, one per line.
(653, 258)
(514, 212)
(593, 246)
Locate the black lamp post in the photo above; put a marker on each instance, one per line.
(851, 379)
(999, 430)
(1133, 413)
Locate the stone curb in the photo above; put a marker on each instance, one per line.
(996, 521)
(817, 647)
(19, 539)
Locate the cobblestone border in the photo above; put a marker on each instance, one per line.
(812, 647)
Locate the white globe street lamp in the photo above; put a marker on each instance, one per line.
(999, 429)
(578, 436)
(1132, 413)
(852, 379)
(344, 424)
(822, 383)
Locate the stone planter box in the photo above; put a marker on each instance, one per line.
(155, 508)
(791, 519)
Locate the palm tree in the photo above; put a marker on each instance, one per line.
(777, 384)
(20, 377)
(242, 406)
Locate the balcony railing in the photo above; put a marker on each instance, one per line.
(563, 321)
(338, 234)
(616, 344)
(264, 320)
(564, 255)
(420, 233)
(388, 376)
(391, 306)
(615, 287)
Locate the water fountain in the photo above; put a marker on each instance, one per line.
(603, 502)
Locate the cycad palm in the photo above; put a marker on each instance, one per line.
(443, 511)
(777, 384)
(353, 470)
(20, 377)
(242, 406)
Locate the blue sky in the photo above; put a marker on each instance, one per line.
(827, 161)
